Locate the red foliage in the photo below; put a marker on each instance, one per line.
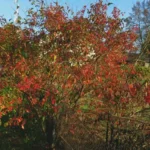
(29, 84)
(64, 59)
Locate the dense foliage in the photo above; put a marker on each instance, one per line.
(65, 82)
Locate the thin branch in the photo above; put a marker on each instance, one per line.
(66, 142)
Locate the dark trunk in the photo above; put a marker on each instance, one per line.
(49, 128)
(53, 140)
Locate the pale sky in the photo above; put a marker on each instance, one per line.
(7, 7)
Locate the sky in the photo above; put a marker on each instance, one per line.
(7, 7)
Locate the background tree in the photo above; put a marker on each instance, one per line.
(139, 21)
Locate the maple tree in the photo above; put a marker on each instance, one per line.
(56, 65)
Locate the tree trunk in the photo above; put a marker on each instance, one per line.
(49, 129)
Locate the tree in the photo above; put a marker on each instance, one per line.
(139, 21)
(57, 66)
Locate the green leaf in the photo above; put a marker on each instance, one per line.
(24, 54)
(85, 108)
(109, 4)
